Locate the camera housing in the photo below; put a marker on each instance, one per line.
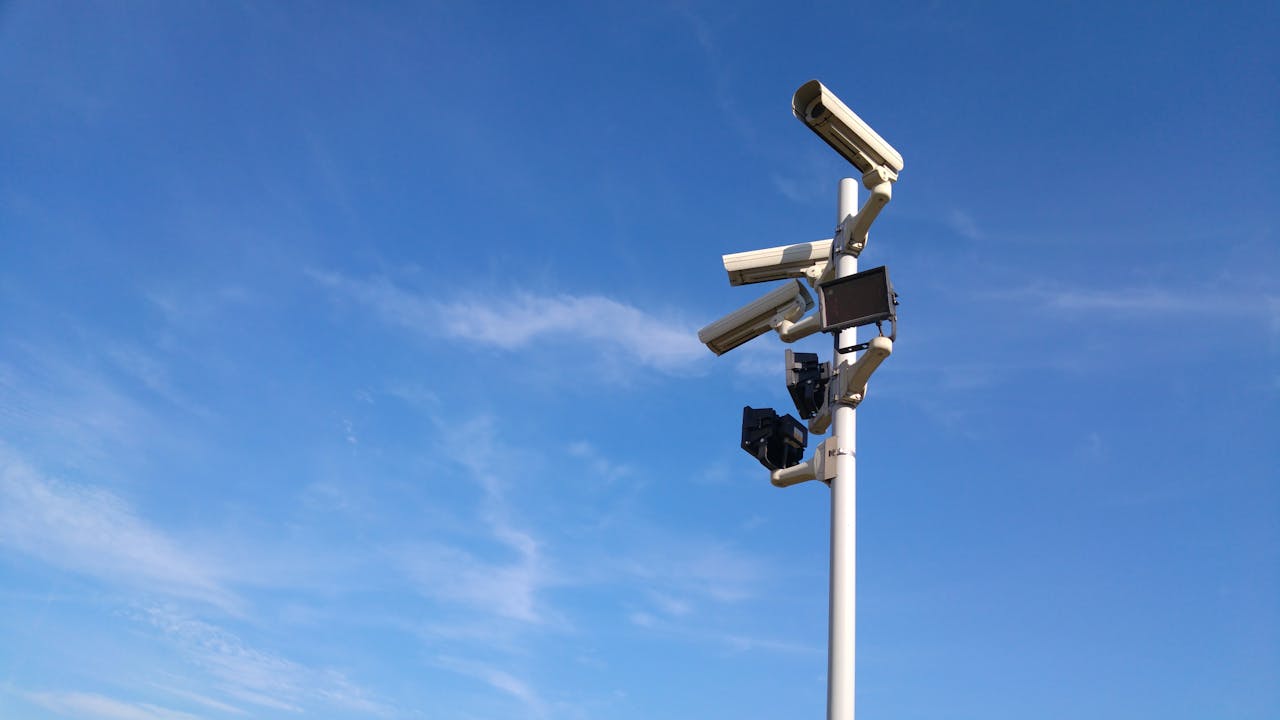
(807, 382)
(802, 260)
(777, 310)
(776, 441)
(841, 128)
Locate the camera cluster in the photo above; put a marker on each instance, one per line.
(846, 299)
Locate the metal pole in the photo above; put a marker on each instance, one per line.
(844, 498)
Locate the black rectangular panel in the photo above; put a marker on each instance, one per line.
(859, 299)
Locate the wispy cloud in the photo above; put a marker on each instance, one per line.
(805, 177)
(89, 705)
(595, 463)
(963, 224)
(507, 586)
(520, 319)
(671, 605)
(187, 308)
(683, 572)
(1150, 300)
(791, 188)
(500, 680)
(760, 359)
(90, 530)
(719, 69)
(77, 413)
(204, 700)
(736, 642)
(254, 676)
(152, 373)
(506, 589)
(511, 580)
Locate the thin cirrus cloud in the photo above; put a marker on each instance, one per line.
(92, 531)
(500, 680)
(1148, 299)
(963, 224)
(255, 676)
(521, 319)
(698, 569)
(508, 586)
(91, 705)
(1137, 300)
(507, 590)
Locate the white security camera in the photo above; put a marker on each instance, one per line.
(802, 260)
(844, 131)
(779, 310)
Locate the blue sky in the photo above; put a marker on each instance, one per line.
(348, 364)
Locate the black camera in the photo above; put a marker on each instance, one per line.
(807, 382)
(776, 441)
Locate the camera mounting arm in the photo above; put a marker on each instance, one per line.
(851, 378)
(851, 234)
(789, 331)
(821, 466)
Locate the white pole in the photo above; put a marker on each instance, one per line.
(844, 501)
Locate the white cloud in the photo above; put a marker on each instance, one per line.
(508, 587)
(687, 568)
(74, 412)
(500, 680)
(743, 643)
(186, 307)
(794, 189)
(508, 590)
(735, 642)
(717, 472)
(642, 619)
(671, 605)
(964, 225)
(678, 571)
(760, 359)
(596, 464)
(1093, 449)
(152, 373)
(1134, 300)
(80, 705)
(1149, 300)
(520, 319)
(255, 676)
(204, 700)
(92, 531)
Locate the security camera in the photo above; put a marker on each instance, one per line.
(807, 382)
(833, 121)
(802, 260)
(779, 310)
(776, 441)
